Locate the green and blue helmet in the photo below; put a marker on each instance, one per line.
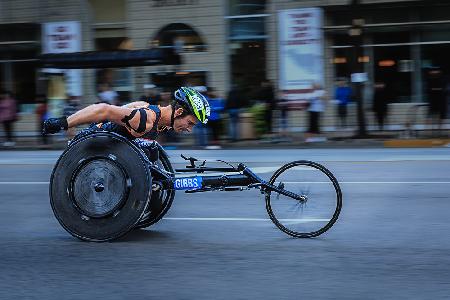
(194, 102)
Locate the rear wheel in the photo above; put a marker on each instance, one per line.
(93, 194)
(321, 204)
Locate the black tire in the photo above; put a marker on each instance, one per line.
(164, 198)
(72, 204)
(328, 184)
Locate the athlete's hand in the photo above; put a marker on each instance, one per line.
(55, 125)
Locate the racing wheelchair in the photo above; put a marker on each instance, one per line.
(104, 185)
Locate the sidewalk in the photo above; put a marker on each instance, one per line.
(295, 141)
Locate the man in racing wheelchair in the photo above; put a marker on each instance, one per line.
(139, 120)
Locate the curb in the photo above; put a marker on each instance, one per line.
(416, 143)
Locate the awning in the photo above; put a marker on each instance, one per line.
(110, 59)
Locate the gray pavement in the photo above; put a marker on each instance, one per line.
(390, 242)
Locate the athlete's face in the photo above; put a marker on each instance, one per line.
(184, 124)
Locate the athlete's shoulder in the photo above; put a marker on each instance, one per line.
(137, 104)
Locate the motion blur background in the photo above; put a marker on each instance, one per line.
(284, 78)
(268, 54)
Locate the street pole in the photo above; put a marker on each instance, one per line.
(356, 33)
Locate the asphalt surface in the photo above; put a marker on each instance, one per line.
(391, 240)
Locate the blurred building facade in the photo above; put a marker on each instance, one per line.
(226, 42)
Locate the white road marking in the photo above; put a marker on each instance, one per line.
(370, 182)
(28, 182)
(247, 219)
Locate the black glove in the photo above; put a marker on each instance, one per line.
(54, 125)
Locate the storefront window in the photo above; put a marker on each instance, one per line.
(246, 28)
(390, 37)
(342, 62)
(248, 64)
(24, 81)
(118, 79)
(181, 37)
(246, 7)
(247, 44)
(393, 66)
(435, 57)
(19, 47)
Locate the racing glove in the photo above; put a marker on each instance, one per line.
(55, 125)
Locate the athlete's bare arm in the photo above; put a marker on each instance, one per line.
(136, 104)
(130, 117)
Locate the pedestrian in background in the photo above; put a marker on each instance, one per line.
(315, 109)
(217, 106)
(8, 115)
(233, 103)
(283, 107)
(150, 94)
(267, 96)
(107, 94)
(380, 103)
(342, 95)
(41, 116)
(437, 104)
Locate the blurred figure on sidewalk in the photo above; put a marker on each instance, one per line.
(437, 105)
(315, 109)
(233, 104)
(380, 103)
(41, 116)
(215, 121)
(342, 95)
(267, 96)
(107, 94)
(71, 107)
(8, 115)
(150, 94)
(283, 107)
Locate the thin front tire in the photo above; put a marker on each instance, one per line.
(322, 199)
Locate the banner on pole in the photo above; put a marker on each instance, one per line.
(300, 51)
(64, 37)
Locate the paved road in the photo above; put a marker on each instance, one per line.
(391, 242)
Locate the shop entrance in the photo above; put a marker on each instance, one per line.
(248, 64)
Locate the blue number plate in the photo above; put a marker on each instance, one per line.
(188, 183)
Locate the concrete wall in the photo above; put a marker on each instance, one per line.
(205, 17)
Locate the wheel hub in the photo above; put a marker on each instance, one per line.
(99, 188)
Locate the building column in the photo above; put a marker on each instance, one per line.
(7, 75)
(369, 69)
(416, 76)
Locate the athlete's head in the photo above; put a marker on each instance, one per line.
(189, 108)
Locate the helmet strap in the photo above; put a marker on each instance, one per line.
(172, 118)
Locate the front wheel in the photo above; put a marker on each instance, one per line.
(321, 199)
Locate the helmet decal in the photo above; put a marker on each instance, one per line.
(195, 102)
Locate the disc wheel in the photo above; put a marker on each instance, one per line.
(321, 199)
(161, 200)
(100, 186)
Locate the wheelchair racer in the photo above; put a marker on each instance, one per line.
(139, 120)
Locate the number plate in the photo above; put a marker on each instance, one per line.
(188, 183)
